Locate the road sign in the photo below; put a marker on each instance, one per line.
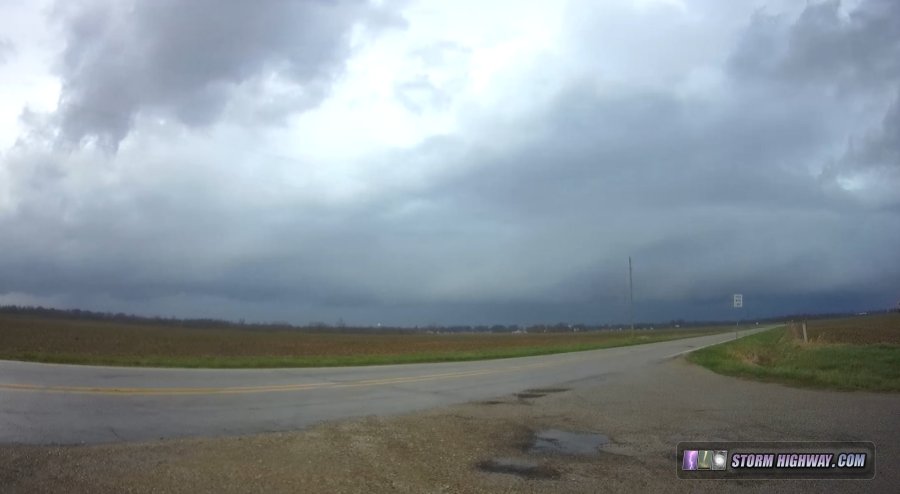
(738, 300)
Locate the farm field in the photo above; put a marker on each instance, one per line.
(860, 330)
(854, 353)
(33, 338)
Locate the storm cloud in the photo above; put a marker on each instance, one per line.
(6, 49)
(313, 161)
(186, 60)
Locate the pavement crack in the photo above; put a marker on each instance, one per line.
(111, 429)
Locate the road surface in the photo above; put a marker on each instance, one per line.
(69, 404)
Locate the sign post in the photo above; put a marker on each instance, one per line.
(737, 302)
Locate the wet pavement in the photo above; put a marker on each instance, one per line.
(522, 468)
(556, 441)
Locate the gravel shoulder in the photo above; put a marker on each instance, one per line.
(644, 413)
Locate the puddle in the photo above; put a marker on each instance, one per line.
(546, 390)
(560, 442)
(523, 396)
(522, 468)
(538, 392)
(490, 402)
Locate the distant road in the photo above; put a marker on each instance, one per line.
(65, 404)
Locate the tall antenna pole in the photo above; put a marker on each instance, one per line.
(630, 296)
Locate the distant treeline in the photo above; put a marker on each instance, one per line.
(340, 327)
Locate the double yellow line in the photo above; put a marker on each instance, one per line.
(231, 390)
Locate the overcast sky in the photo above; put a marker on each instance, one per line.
(424, 162)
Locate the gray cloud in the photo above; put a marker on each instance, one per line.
(7, 49)
(742, 188)
(695, 198)
(420, 93)
(823, 46)
(851, 60)
(883, 148)
(186, 60)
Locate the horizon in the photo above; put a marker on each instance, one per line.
(340, 324)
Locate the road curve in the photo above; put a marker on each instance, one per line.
(73, 404)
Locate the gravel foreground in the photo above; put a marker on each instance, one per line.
(644, 414)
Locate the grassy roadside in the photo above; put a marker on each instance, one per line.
(279, 361)
(71, 341)
(834, 358)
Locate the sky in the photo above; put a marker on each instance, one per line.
(464, 162)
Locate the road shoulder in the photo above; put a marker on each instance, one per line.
(644, 414)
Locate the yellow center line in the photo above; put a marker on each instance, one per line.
(138, 391)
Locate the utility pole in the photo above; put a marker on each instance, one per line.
(630, 297)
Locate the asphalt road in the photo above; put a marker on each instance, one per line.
(67, 404)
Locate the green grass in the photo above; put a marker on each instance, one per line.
(778, 356)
